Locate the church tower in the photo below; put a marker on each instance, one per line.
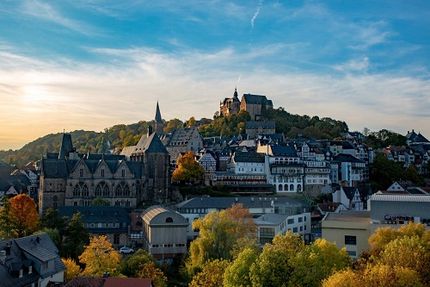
(159, 125)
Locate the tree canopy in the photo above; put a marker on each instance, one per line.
(188, 169)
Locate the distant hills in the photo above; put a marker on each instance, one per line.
(121, 135)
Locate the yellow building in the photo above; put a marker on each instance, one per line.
(349, 229)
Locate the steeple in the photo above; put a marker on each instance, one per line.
(159, 125)
(66, 146)
(235, 96)
(158, 118)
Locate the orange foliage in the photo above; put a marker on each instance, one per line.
(23, 215)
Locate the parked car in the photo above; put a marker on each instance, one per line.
(126, 250)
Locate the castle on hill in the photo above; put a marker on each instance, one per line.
(255, 105)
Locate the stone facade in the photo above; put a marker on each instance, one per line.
(230, 106)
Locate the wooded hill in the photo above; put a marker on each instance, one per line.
(122, 135)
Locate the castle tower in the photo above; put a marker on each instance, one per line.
(66, 146)
(159, 125)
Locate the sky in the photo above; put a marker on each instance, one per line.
(75, 64)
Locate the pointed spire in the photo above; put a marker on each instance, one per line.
(66, 146)
(235, 93)
(158, 118)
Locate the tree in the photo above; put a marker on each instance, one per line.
(323, 258)
(151, 271)
(131, 265)
(221, 235)
(273, 267)
(72, 269)
(98, 201)
(188, 169)
(54, 234)
(173, 125)
(212, 274)
(238, 273)
(52, 220)
(75, 237)
(344, 278)
(5, 223)
(100, 257)
(23, 215)
(190, 123)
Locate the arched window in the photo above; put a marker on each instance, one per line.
(169, 220)
(81, 189)
(286, 187)
(122, 190)
(280, 187)
(299, 187)
(102, 190)
(291, 187)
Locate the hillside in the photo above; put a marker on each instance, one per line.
(123, 135)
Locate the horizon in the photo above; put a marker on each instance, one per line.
(80, 65)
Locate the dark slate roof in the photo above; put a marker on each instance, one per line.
(280, 150)
(99, 156)
(150, 144)
(54, 168)
(247, 201)
(24, 251)
(66, 146)
(99, 214)
(251, 156)
(260, 124)
(256, 99)
(349, 191)
(346, 158)
(344, 144)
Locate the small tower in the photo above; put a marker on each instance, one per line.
(66, 146)
(159, 124)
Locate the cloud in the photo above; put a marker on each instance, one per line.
(256, 13)
(125, 87)
(47, 12)
(354, 65)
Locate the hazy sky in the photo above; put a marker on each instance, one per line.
(91, 64)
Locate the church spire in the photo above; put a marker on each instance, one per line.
(235, 95)
(159, 125)
(158, 118)
(66, 146)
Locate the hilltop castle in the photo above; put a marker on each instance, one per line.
(255, 105)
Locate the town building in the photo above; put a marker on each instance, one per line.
(30, 261)
(352, 198)
(165, 233)
(349, 229)
(255, 128)
(112, 221)
(181, 141)
(346, 168)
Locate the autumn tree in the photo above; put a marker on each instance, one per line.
(273, 267)
(212, 274)
(172, 125)
(238, 272)
(188, 169)
(323, 258)
(75, 237)
(72, 269)
(131, 265)
(344, 278)
(19, 217)
(221, 235)
(99, 257)
(151, 271)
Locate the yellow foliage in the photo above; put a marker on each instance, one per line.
(387, 276)
(345, 278)
(99, 257)
(72, 269)
(149, 270)
(212, 274)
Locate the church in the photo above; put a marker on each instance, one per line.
(139, 174)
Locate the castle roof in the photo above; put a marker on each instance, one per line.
(256, 99)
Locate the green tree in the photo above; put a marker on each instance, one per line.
(172, 125)
(75, 237)
(237, 273)
(323, 258)
(131, 265)
(221, 235)
(273, 266)
(98, 201)
(212, 274)
(5, 223)
(52, 220)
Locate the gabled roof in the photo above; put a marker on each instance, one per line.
(256, 99)
(346, 158)
(281, 150)
(150, 144)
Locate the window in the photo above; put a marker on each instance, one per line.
(267, 232)
(102, 173)
(291, 187)
(123, 173)
(350, 240)
(122, 190)
(294, 229)
(116, 239)
(280, 187)
(352, 253)
(81, 173)
(102, 189)
(300, 219)
(286, 187)
(290, 221)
